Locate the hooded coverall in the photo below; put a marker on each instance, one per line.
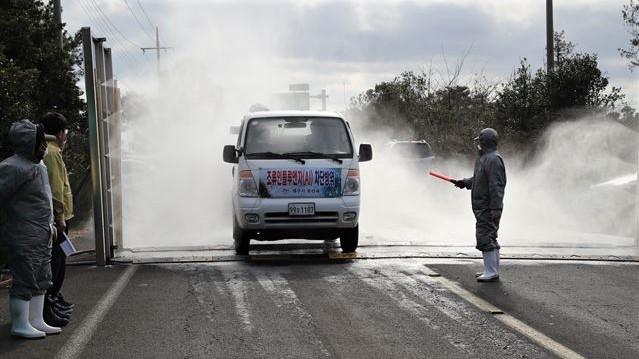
(487, 192)
(26, 196)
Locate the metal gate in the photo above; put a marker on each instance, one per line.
(104, 115)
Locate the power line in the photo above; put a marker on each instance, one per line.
(137, 20)
(113, 25)
(116, 44)
(115, 41)
(146, 15)
(99, 17)
(97, 22)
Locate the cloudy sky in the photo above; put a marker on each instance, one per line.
(346, 46)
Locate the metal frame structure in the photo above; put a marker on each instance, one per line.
(103, 113)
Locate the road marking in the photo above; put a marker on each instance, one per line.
(80, 338)
(238, 290)
(536, 336)
(284, 297)
(462, 325)
(396, 284)
(392, 290)
(447, 306)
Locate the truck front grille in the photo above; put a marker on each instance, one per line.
(283, 217)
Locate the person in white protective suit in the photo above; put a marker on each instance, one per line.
(25, 195)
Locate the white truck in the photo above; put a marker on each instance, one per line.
(296, 176)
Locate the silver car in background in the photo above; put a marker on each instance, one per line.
(415, 155)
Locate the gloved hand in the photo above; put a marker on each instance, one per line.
(495, 214)
(459, 183)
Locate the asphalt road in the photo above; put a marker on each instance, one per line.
(393, 308)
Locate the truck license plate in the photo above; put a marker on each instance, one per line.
(301, 209)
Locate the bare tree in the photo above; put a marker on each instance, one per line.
(630, 14)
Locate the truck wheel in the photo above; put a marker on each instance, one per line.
(348, 240)
(241, 240)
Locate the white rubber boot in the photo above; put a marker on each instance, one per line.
(482, 273)
(36, 308)
(497, 260)
(20, 326)
(490, 267)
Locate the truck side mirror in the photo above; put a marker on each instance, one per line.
(230, 154)
(365, 152)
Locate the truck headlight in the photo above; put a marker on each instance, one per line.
(247, 186)
(351, 187)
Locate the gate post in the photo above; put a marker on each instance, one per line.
(94, 146)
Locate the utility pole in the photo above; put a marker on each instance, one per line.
(57, 17)
(637, 215)
(550, 41)
(323, 96)
(157, 48)
(344, 84)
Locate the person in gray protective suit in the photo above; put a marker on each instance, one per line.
(487, 195)
(25, 195)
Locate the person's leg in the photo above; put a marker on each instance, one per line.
(51, 315)
(55, 298)
(490, 267)
(36, 316)
(58, 263)
(496, 221)
(20, 325)
(62, 274)
(485, 233)
(42, 270)
(24, 285)
(481, 228)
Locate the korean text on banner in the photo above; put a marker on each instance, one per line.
(301, 183)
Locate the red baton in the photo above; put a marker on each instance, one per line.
(440, 176)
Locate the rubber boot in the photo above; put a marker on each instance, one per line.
(20, 326)
(497, 260)
(36, 308)
(490, 267)
(480, 274)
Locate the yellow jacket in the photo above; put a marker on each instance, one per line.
(59, 180)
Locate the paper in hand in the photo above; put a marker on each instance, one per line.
(67, 245)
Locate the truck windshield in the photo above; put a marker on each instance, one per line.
(305, 137)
